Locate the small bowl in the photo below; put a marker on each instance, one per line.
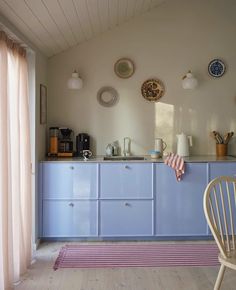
(154, 154)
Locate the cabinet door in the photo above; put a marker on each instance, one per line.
(126, 180)
(126, 218)
(179, 205)
(69, 180)
(218, 169)
(69, 218)
(57, 179)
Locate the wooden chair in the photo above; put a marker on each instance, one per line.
(220, 211)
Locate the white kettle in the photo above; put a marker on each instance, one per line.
(183, 144)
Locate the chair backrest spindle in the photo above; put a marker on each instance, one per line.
(218, 215)
(226, 232)
(234, 198)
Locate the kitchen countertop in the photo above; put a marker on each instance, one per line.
(98, 159)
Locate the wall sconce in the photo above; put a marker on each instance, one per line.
(75, 82)
(189, 82)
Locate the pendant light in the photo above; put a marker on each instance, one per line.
(75, 82)
(189, 82)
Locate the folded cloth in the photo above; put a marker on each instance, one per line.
(177, 163)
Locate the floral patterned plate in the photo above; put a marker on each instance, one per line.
(152, 90)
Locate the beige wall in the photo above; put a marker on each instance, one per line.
(41, 69)
(165, 43)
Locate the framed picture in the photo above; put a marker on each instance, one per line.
(43, 104)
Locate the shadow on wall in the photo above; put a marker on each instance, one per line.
(172, 119)
(164, 124)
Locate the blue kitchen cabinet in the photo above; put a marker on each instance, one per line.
(126, 199)
(126, 218)
(179, 205)
(221, 168)
(69, 218)
(68, 204)
(126, 180)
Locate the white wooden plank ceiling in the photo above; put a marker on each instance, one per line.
(55, 25)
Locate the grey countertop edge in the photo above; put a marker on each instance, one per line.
(148, 159)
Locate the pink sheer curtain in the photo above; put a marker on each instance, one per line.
(15, 171)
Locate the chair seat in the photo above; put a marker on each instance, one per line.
(229, 261)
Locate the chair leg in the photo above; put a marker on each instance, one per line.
(220, 277)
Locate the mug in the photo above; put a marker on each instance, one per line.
(87, 154)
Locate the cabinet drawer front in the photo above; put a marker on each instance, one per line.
(69, 218)
(69, 180)
(126, 218)
(126, 180)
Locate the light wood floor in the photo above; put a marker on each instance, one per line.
(41, 276)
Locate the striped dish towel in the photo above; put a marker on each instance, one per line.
(177, 163)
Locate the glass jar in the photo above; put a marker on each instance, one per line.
(53, 143)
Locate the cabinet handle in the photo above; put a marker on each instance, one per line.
(127, 204)
(71, 204)
(72, 167)
(126, 166)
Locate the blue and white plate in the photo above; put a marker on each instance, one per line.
(216, 68)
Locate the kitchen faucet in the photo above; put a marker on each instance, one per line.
(126, 150)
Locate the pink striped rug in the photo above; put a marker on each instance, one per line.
(136, 255)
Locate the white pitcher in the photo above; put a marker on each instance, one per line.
(160, 145)
(183, 144)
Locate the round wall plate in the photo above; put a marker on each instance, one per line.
(152, 90)
(124, 68)
(107, 97)
(216, 68)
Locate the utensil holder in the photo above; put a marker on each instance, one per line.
(221, 149)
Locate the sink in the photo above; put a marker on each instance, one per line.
(125, 158)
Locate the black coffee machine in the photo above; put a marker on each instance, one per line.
(65, 148)
(82, 143)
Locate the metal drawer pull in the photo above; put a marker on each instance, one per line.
(71, 204)
(127, 204)
(72, 167)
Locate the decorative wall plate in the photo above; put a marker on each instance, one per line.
(152, 90)
(107, 97)
(124, 68)
(216, 68)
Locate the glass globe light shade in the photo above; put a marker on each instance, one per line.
(189, 82)
(75, 82)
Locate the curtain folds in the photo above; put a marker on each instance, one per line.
(15, 164)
